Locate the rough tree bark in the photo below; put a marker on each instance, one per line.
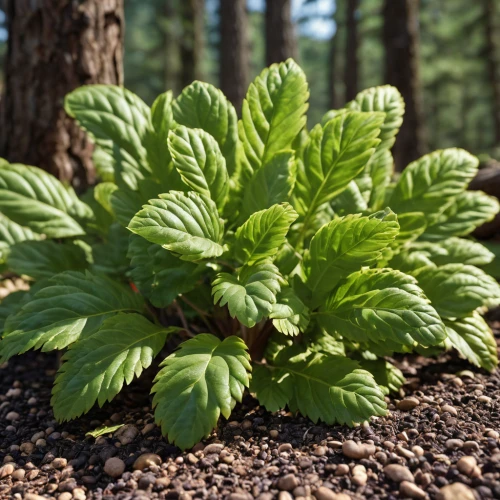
(401, 42)
(351, 51)
(280, 33)
(55, 46)
(234, 57)
(493, 63)
(192, 40)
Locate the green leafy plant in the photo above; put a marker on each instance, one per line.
(272, 247)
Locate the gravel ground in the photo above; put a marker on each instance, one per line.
(440, 440)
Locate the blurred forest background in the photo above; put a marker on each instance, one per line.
(443, 55)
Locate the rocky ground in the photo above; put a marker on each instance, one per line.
(440, 440)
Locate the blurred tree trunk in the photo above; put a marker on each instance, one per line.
(53, 48)
(351, 51)
(170, 47)
(401, 42)
(334, 97)
(493, 63)
(234, 56)
(280, 34)
(192, 14)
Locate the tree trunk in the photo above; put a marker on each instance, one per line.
(234, 57)
(280, 36)
(170, 48)
(351, 51)
(192, 40)
(493, 63)
(401, 42)
(53, 48)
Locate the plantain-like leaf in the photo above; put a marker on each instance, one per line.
(95, 368)
(271, 386)
(409, 261)
(290, 315)
(197, 158)
(467, 211)
(273, 112)
(261, 236)
(455, 251)
(251, 294)
(428, 184)
(333, 157)
(271, 184)
(198, 383)
(332, 389)
(349, 201)
(72, 305)
(287, 259)
(158, 274)
(12, 233)
(43, 259)
(474, 340)
(388, 377)
(186, 224)
(381, 305)
(115, 118)
(345, 245)
(456, 290)
(201, 105)
(33, 198)
(110, 255)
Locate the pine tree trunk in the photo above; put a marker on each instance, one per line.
(191, 45)
(280, 34)
(171, 61)
(493, 64)
(351, 51)
(53, 48)
(234, 57)
(401, 42)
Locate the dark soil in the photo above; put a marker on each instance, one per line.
(261, 455)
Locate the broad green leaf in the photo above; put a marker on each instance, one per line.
(474, 340)
(345, 245)
(158, 274)
(455, 251)
(197, 158)
(103, 430)
(198, 383)
(290, 316)
(186, 224)
(381, 305)
(411, 226)
(456, 290)
(349, 201)
(261, 236)
(103, 193)
(43, 259)
(271, 184)
(95, 368)
(110, 255)
(409, 261)
(334, 156)
(428, 184)
(273, 112)
(12, 233)
(271, 386)
(156, 139)
(332, 389)
(467, 211)
(33, 198)
(202, 105)
(251, 294)
(381, 169)
(388, 377)
(114, 118)
(287, 259)
(72, 305)
(388, 100)
(326, 344)
(11, 305)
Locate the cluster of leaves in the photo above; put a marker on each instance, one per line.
(270, 244)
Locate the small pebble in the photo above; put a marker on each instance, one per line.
(450, 409)
(455, 491)
(323, 493)
(146, 460)
(11, 416)
(215, 448)
(454, 444)
(411, 490)
(398, 473)
(114, 467)
(288, 482)
(408, 404)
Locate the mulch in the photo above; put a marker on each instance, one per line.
(448, 410)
